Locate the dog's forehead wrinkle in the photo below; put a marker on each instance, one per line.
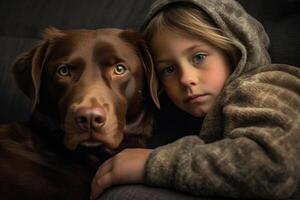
(105, 52)
(107, 32)
(70, 51)
(112, 49)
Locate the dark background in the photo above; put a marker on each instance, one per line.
(21, 23)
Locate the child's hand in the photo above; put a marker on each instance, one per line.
(128, 166)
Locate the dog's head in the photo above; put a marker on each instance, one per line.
(95, 83)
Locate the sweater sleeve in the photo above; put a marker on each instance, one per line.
(258, 156)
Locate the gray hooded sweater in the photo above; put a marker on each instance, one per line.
(249, 144)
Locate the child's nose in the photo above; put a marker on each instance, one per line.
(188, 77)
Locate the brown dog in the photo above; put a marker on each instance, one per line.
(89, 88)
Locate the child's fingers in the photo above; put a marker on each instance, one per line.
(104, 168)
(100, 184)
(96, 184)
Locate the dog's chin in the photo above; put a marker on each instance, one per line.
(91, 144)
(111, 143)
(96, 145)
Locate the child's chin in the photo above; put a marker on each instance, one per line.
(198, 113)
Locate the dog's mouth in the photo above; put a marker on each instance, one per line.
(108, 137)
(91, 145)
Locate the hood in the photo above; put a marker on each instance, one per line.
(247, 34)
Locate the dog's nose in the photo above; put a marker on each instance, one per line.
(90, 117)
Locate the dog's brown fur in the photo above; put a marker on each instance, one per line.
(89, 88)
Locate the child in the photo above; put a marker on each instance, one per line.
(212, 61)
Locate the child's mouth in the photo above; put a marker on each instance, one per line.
(198, 98)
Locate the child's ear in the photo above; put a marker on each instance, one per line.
(27, 68)
(136, 38)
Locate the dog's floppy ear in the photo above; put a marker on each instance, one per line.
(27, 68)
(136, 39)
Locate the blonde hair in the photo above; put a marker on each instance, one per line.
(192, 22)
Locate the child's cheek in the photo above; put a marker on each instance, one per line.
(216, 81)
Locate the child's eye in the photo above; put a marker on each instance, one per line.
(167, 70)
(198, 58)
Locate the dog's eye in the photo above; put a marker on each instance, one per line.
(63, 70)
(120, 69)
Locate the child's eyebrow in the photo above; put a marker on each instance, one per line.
(193, 47)
(185, 52)
(162, 61)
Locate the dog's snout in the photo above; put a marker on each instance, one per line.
(90, 118)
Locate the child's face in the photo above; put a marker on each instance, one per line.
(192, 71)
